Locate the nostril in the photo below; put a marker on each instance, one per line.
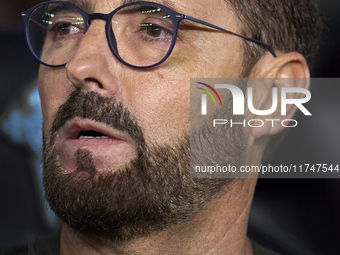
(91, 80)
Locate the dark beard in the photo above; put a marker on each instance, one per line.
(151, 193)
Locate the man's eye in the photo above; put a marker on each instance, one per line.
(157, 31)
(65, 29)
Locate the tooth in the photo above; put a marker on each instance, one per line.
(93, 137)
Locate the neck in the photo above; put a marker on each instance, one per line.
(219, 228)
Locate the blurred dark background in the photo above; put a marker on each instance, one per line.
(292, 216)
(301, 216)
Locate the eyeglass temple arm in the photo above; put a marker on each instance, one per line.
(227, 31)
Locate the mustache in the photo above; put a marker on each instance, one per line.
(92, 105)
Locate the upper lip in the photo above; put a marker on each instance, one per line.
(73, 127)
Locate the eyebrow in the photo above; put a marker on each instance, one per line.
(128, 1)
(87, 7)
(168, 4)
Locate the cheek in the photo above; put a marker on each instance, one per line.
(162, 107)
(53, 91)
(160, 99)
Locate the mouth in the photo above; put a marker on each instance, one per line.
(81, 130)
(91, 134)
(110, 148)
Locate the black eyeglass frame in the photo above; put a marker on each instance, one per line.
(175, 16)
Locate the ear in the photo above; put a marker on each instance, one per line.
(281, 72)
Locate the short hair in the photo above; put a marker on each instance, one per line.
(285, 25)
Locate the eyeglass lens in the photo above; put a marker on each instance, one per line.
(143, 33)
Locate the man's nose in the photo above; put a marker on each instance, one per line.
(93, 66)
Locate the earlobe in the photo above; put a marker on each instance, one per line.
(283, 74)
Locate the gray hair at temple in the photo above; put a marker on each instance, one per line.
(285, 25)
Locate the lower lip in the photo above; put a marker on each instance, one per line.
(93, 142)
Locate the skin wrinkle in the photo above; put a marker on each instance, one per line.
(245, 211)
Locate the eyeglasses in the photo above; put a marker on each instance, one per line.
(140, 34)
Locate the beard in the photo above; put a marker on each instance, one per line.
(149, 194)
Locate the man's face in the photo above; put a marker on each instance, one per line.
(151, 106)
